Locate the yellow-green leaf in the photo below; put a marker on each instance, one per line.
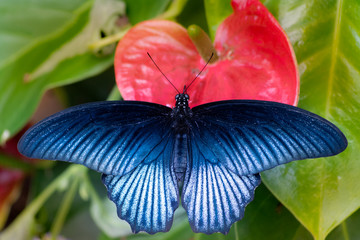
(321, 193)
(45, 44)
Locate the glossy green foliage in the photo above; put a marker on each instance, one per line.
(142, 10)
(216, 11)
(45, 44)
(267, 218)
(322, 193)
(347, 230)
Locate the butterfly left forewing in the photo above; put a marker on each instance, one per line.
(109, 137)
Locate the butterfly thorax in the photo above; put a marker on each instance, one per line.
(181, 112)
(182, 103)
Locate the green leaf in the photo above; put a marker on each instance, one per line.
(80, 227)
(193, 13)
(46, 45)
(267, 218)
(347, 230)
(104, 214)
(114, 94)
(14, 163)
(214, 236)
(321, 193)
(216, 11)
(21, 227)
(142, 10)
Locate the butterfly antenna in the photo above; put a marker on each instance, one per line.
(162, 72)
(185, 89)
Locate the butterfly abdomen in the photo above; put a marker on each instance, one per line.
(180, 156)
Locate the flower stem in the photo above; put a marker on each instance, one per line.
(108, 40)
(114, 94)
(173, 10)
(345, 230)
(202, 43)
(64, 209)
(236, 231)
(20, 227)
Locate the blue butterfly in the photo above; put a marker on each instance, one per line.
(213, 152)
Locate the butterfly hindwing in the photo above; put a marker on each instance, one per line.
(109, 137)
(214, 196)
(147, 196)
(249, 137)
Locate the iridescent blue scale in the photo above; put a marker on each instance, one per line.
(214, 151)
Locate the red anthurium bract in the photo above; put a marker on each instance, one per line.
(256, 61)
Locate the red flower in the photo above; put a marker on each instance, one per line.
(256, 60)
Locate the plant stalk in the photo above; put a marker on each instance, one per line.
(64, 209)
(202, 43)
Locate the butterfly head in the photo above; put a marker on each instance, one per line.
(181, 112)
(182, 101)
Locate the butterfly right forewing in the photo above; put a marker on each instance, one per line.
(251, 136)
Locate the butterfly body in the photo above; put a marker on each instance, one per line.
(181, 116)
(213, 153)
